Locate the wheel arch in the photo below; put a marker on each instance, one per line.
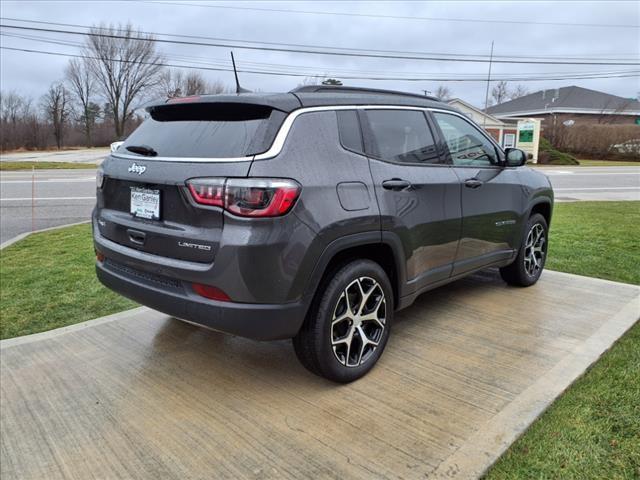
(384, 250)
(544, 207)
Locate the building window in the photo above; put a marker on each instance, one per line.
(509, 140)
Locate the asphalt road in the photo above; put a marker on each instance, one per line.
(83, 155)
(68, 196)
(60, 197)
(594, 183)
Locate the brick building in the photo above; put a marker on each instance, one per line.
(570, 106)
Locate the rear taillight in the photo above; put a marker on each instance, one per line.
(207, 191)
(246, 197)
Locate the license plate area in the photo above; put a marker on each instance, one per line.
(145, 203)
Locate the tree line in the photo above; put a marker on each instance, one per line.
(118, 69)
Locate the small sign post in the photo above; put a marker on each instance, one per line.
(528, 138)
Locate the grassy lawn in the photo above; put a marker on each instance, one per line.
(13, 166)
(593, 430)
(48, 281)
(596, 239)
(608, 163)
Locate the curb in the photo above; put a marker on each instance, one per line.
(22, 236)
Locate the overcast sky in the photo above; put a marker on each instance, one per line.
(31, 73)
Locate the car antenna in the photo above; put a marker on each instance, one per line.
(239, 89)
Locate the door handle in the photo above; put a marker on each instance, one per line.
(136, 237)
(473, 183)
(396, 184)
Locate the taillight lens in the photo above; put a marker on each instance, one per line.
(207, 191)
(246, 197)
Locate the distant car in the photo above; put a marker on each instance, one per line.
(313, 215)
(628, 147)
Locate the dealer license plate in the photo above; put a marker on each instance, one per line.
(145, 203)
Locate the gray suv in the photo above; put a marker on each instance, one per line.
(313, 215)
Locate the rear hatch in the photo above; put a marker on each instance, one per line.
(144, 203)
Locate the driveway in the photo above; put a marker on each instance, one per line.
(141, 395)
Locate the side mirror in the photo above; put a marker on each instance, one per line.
(115, 146)
(515, 157)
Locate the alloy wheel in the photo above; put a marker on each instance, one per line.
(534, 250)
(358, 322)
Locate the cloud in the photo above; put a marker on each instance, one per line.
(32, 73)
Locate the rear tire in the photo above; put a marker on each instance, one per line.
(348, 324)
(528, 265)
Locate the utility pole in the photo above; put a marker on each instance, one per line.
(426, 92)
(486, 95)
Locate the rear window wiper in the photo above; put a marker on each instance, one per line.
(142, 150)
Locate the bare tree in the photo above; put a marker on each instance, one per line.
(173, 83)
(125, 65)
(443, 93)
(195, 84)
(170, 83)
(83, 88)
(57, 109)
(518, 91)
(499, 93)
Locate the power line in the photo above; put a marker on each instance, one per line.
(312, 70)
(290, 74)
(400, 17)
(314, 52)
(346, 49)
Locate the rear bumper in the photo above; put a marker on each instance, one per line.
(256, 321)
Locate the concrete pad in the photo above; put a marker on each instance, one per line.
(140, 395)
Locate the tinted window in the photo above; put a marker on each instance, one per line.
(466, 144)
(402, 136)
(203, 130)
(349, 128)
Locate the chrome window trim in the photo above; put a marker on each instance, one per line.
(281, 137)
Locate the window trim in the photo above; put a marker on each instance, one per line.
(283, 132)
(498, 150)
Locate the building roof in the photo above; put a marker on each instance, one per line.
(479, 111)
(567, 100)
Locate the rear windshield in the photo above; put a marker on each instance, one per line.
(206, 130)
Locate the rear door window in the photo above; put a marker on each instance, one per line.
(205, 130)
(402, 136)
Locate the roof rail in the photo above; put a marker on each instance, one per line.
(343, 89)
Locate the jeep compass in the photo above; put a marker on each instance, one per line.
(313, 215)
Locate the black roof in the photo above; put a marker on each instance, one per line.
(314, 96)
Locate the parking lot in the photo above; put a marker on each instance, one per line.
(467, 369)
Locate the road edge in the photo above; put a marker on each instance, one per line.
(24, 235)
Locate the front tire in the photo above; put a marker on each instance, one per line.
(348, 325)
(528, 265)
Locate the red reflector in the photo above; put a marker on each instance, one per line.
(99, 256)
(207, 291)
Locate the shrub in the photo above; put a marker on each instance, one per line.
(550, 156)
